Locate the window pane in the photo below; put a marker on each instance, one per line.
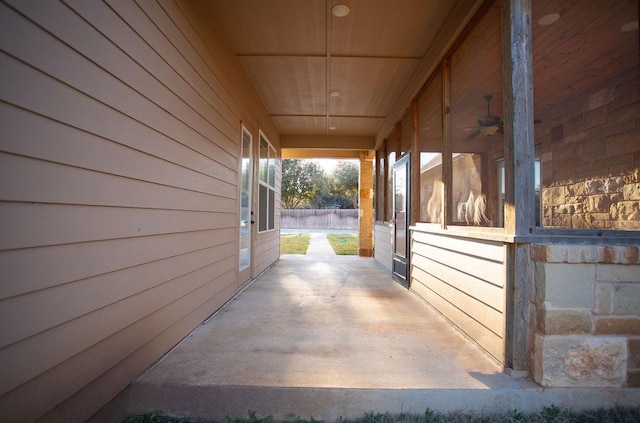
(400, 210)
(272, 167)
(391, 159)
(272, 209)
(263, 200)
(380, 173)
(468, 201)
(586, 84)
(264, 159)
(431, 187)
(476, 123)
(430, 142)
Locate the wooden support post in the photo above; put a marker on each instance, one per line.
(376, 186)
(519, 170)
(415, 165)
(385, 183)
(397, 134)
(365, 221)
(447, 166)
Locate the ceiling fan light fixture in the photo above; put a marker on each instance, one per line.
(549, 19)
(490, 130)
(340, 10)
(489, 120)
(335, 94)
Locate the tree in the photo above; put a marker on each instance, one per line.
(327, 200)
(346, 177)
(300, 182)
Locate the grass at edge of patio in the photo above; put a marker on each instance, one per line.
(551, 414)
(344, 244)
(294, 243)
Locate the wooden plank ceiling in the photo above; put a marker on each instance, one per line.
(577, 46)
(296, 53)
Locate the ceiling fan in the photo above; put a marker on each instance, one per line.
(489, 124)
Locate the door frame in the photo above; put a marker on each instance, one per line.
(400, 266)
(245, 272)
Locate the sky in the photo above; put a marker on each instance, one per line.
(326, 164)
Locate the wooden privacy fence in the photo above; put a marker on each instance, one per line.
(319, 219)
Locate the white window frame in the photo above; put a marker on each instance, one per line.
(266, 185)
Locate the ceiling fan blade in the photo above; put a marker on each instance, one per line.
(473, 135)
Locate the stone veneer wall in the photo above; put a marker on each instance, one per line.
(590, 157)
(603, 203)
(587, 316)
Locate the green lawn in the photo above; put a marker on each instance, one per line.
(344, 244)
(294, 243)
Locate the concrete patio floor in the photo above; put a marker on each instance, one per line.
(334, 337)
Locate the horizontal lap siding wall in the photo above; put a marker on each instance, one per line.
(119, 143)
(464, 280)
(383, 244)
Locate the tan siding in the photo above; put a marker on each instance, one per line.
(39, 268)
(202, 79)
(486, 316)
(98, 321)
(119, 144)
(176, 52)
(40, 310)
(383, 245)
(478, 268)
(143, 99)
(94, 117)
(72, 375)
(73, 146)
(484, 249)
(463, 279)
(109, 92)
(42, 181)
(110, 383)
(206, 44)
(488, 294)
(267, 248)
(52, 224)
(481, 335)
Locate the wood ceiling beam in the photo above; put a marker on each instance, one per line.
(297, 153)
(322, 142)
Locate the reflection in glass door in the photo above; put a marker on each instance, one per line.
(245, 203)
(401, 220)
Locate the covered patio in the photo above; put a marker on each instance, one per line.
(332, 337)
(141, 156)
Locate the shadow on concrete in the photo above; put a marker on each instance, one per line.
(332, 337)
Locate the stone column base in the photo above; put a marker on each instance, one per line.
(365, 252)
(580, 361)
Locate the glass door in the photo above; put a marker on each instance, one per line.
(401, 220)
(246, 214)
